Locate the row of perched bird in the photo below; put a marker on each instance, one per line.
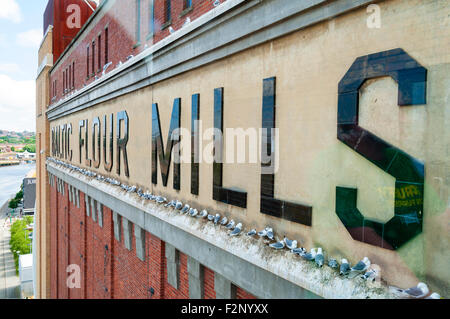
(362, 268)
(235, 229)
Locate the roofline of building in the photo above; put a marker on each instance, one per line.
(197, 23)
(49, 28)
(197, 44)
(80, 33)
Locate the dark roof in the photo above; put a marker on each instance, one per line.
(29, 193)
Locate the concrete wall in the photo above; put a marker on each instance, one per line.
(308, 65)
(42, 220)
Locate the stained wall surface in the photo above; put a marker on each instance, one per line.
(308, 66)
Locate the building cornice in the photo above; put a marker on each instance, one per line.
(47, 61)
(226, 30)
(80, 33)
(49, 28)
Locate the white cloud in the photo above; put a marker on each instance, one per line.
(10, 68)
(17, 104)
(30, 38)
(10, 10)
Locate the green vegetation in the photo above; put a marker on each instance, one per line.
(20, 243)
(18, 140)
(13, 203)
(19, 194)
(31, 148)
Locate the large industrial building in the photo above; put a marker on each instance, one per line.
(343, 110)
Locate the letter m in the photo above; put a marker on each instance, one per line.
(158, 146)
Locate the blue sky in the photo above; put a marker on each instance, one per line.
(21, 31)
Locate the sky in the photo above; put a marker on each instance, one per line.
(21, 32)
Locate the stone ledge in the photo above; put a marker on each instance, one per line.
(239, 259)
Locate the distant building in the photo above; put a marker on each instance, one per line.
(26, 275)
(26, 155)
(29, 195)
(5, 149)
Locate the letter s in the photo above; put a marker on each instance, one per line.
(408, 171)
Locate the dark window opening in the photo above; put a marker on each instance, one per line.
(93, 57)
(99, 52)
(106, 46)
(87, 62)
(70, 78)
(168, 10)
(138, 21)
(187, 4)
(152, 17)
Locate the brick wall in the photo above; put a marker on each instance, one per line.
(156, 265)
(183, 286)
(129, 272)
(209, 291)
(107, 268)
(77, 245)
(199, 7)
(242, 294)
(121, 21)
(53, 241)
(62, 244)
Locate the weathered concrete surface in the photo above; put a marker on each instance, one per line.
(196, 276)
(173, 265)
(223, 287)
(308, 65)
(9, 282)
(246, 262)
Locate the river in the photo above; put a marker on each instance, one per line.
(11, 177)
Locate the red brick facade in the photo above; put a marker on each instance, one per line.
(107, 268)
(116, 35)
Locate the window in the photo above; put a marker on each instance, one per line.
(67, 82)
(70, 78)
(87, 62)
(73, 75)
(93, 57)
(168, 10)
(151, 25)
(138, 22)
(99, 52)
(106, 45)
(187, 4)
(64, 82)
